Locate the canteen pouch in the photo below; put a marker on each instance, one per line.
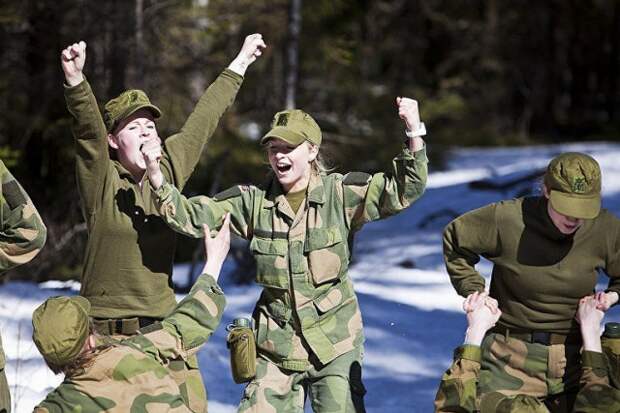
(242, 346)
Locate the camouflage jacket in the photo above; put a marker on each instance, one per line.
(131, 375)
(302, 259)
(22, 231)
(129, 254)
(458, 388)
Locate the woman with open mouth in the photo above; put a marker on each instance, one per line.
(308, 324)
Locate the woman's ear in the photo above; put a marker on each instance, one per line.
(314, 152)
(112, 141)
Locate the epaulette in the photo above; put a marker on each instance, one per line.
(356, 178)
(231, 192)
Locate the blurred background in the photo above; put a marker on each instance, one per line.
(486, 73)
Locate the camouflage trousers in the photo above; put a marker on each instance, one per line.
(5, 395)
(335, 387)
(187, 375)
(514, 369)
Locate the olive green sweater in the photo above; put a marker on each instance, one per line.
(539, 274)
(128, 258)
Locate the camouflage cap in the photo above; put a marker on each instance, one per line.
(574, 184)
(294, 126)
(124, 105)
(60, 328)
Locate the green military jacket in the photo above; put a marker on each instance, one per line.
(129, 254)
(132, 375)
(539, 274)
(22, 235)
(302, 259)
(458, 392)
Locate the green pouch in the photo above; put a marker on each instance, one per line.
(242, 346)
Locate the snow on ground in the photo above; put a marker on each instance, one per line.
(411, 313)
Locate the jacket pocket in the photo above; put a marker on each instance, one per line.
(327, 254)
(273, 331)
(271, 261)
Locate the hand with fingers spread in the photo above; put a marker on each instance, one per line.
(589, 317)
(216, 248)
(480, 317)
(252, 48)
(151, 151)
(72, 60)
(408, 111)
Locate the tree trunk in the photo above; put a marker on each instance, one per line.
(292, 52)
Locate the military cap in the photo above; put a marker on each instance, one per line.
(126, 104)
(294, 126)
(60, 328)
(574, 183)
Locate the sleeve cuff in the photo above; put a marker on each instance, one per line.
(209, 284)
(163, 191)
(593, 359)
(468, 352)
(232, 75)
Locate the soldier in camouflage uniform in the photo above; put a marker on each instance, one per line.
(300, 226)
(23, 236)
(546, 251)
(130, 250)
(103, 374)
(458, 390)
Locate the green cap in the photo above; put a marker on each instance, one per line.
(126, 104)
(294, 126)
(60, 328)
(574, 184)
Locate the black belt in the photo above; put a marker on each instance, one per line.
(540, 337)
(125, 326)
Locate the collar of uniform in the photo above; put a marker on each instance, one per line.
(275, 194)
(122, 171)
(316, 193)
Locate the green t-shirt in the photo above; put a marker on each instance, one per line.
(295, 199)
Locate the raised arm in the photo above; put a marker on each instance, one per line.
(22, 230)
(458, 388)
(372, 197)
(196, 317)
(465, 239)
(187, 215)
(183, 150)
(89, 131)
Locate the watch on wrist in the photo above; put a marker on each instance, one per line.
(420, 131)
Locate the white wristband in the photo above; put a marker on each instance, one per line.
(420, 131)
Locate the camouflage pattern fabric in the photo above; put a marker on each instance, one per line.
(23, 232)
(308, 306)
(336, 388)
(458, 390)
(514, 367)
(22, 235)
(133, 375)
(597, 394)
(5, 395)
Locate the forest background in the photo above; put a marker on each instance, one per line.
(486, 73)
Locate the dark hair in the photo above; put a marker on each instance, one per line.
(83, 360)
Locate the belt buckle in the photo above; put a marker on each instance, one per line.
(541, 337)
